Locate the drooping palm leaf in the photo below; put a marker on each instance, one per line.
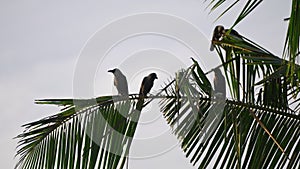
(92, 133)
(219, 134)
(292, 42)
(278, 88)
(249, 62)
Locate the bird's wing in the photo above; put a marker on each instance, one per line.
(116, 81)
(148, 85)
(219, 83)
(142, 88)
(123, 86)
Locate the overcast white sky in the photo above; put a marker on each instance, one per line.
(44, 43)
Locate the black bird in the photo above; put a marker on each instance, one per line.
(219, 83)
(147, 84)
(120, 82)
(219, 33)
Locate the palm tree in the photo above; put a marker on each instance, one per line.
(258, 127)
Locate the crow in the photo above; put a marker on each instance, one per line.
(219, 33)
(120, 82)
(147, 84)
(219, 83)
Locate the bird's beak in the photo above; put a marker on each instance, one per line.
(156, 77)
(111, 71)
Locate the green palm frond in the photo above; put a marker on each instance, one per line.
(250, 67)
(229, 134)
(249, 6)
(91, 133)
(292, 42)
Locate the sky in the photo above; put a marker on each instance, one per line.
(63, 49)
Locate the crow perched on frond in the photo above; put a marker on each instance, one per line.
(120, 82)
(219, 33)
(219, 83)
(147, 84)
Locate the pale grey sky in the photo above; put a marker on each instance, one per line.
(41, 43)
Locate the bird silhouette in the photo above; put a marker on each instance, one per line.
(147, 84)
(219, 33)
(120, 81)
(219, 83)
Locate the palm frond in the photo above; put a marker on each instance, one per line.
(292, 42)
(228, 134)
(249, 6)
(91, 133)
(253, 68)
(291, 47)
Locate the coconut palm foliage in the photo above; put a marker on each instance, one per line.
(97, 133)
(255, 69)
(292, 43)
(92, 133)
(256, 127)
(259, 126)
(238, 132)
